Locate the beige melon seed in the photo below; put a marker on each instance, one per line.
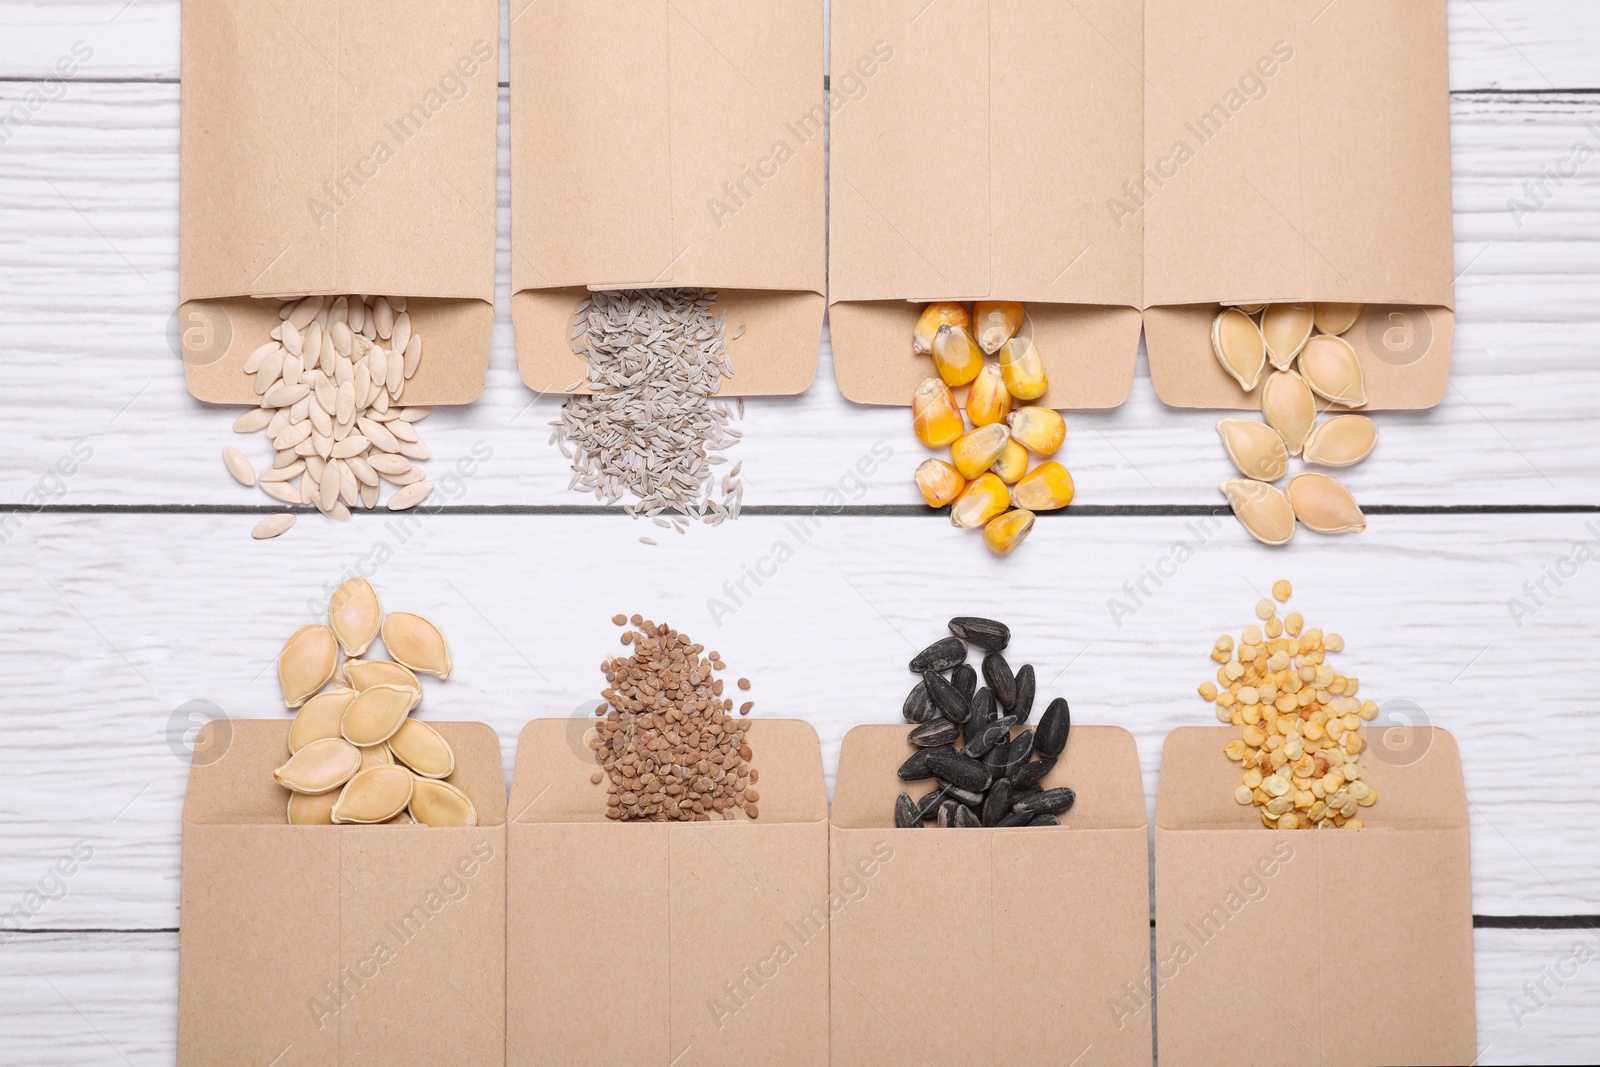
(272, 526)
(416, 414)
(354, 615)
(1239, 347)
(283, 474)
(1337, 318)
(320, 766)
(436, 803)
(1255, 448)
(1341, 441)
(366, 673)
(410, 496)
(1289, 408)
(238, 466)
(416, 643)
(1286, 328)
(375, 795)
(1262, 509)
(283, 492)
(1324, 505)
(1330, 367)
(319, 718)
(306, 663)
(415, 450)
(253, 421)
(301, 314)
(376, 713)
(369, 495)
(307, 809)
(413, 357)
(363, 471)
(420, 747)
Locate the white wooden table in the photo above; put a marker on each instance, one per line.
(136, 591)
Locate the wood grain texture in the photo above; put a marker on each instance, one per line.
(118, 623)
(88, 223)
(82, 1000)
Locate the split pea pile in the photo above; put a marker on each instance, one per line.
(1300, 722)
(668, 739)
(355, 753)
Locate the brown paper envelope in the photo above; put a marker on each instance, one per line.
(692, 941)
(1389, 906)
(971, 167)
(670, 145)
(337, 944)
(1317, 168)
(1033, 930)
(338, 149)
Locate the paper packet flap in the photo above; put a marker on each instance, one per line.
(867, 785)
(668, 143)
(1297, 151)
(967, 165)
(338, 148)
(1415, 769)
(551, 779)
(230, 773)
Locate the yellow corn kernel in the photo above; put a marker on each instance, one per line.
(1048, 487)
(1041, 430)
(1023, 369)
(933, 317)
(1012, 464)
(983, 498)
(940, 483)
(934, 415)
(988, 400)
(1008, 531)
(994, 322)
(956, 355)
(977, 451)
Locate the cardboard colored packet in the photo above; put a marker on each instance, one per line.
(650, 942)
(663, 145)
(987, 946)
(338, 149)
(315, 945)
(1381, 916)
(1143, 160)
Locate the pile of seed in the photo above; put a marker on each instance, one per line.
(1300, 721)
(992, 778)
(1312, 367)
(649, 428)
(332, 401)
(355, 753)
(668, 740)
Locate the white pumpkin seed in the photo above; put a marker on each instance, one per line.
(375, 795)
(414, 642)
(1330, 367)
(354, 615)
(319, 718)
(1239, 347)
(410, 496)
(1324, 505)
(306, 809)
(1255, 448)
(1262, 509)
(1289, 408)
(363, 674)
(1342, 441)
(238, 466)
(420, 747)
(306, 663)
(1337, 318)
(436, 803)
(1286, 328)
(376, 713)
(376, 756)
(272, 526)
(320, 766)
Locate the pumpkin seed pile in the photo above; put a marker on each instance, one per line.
(994, 778)
(332, 403)
(1300, 722)
(987, 482)
(355, 753)
(667, 740)
(1312, 365)
(649, 427)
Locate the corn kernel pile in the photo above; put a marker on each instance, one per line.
(1300, 736)
(987, 480)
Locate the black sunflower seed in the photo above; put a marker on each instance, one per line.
(965, 817)
(959, 770)
(965, 679)
(995, 760)
(1054, 725)
(1011, 819)
(1031, 774)
(1017, 754)
(905, 813)
(916, 768)
(935, 733)
(996, 733)
(918, 708)
(947, 814)
(943, 654)
(928, 806)
(997, 672)
(946, 698)
(1045, 820)
(987, 634)
(961, 796)
(983, 713)
(1049, 802)
(1023, 707)
(997, 805)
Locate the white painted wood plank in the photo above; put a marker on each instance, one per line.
(87, 999)
(1494, 44)
(88, 217)
(115, 623)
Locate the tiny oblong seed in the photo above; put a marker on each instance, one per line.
(319, 718)
(354, 615)
(375, 795)
(320, 766)
(306, 663)
(376, 713)
(436, 803)
(421, 747)
(416, 643)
